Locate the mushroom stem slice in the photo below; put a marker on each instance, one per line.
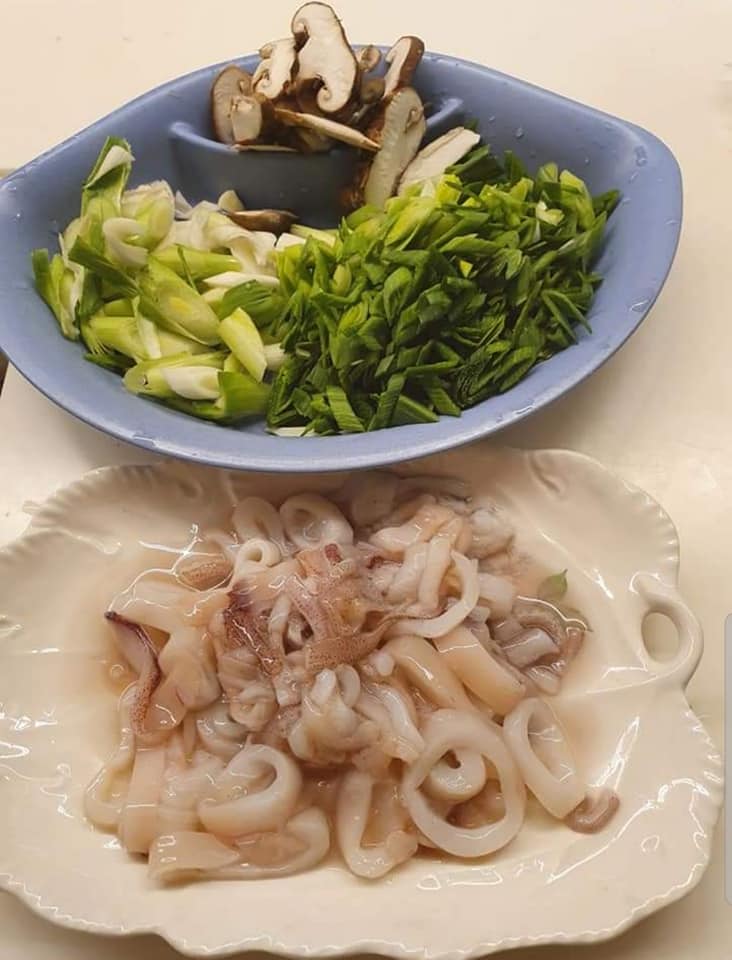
(371, 89)
(250, 117)
(436, 157)
(263, 148)
(230, 83)
(273, 75)
(337, 131)
(398, 127)
(305, 140)
(271, 221)
(403, 60)
(324, 54)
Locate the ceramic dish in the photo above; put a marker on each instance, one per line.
(625, 712)
(170, 134)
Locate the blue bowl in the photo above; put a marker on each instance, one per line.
(169, 130)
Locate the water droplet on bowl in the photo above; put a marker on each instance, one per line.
(586, 161)
(632, 177)
(492, 119)
(639, 306)
(518, 132)
(641, 157)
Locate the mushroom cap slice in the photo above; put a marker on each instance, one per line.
(324, 55)
(230, 83)
(327, 127)
(274, 74)
(368, 58)
(436, 157)
(398, 127)
(271, 221)
(403, 60)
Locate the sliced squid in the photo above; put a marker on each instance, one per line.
(424, 517)
(450, 731)
(352, 816)
(219, 734)
(459, 780)
(138, 823)
(329, 727)
(467, 573)
(363, 662)
(542, 754)
(299, 845)
(102, 803)
(257, 791)
(255, 518)
(428, 671)
(311, 521)
(489, 680)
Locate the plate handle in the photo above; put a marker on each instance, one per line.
(662, 598)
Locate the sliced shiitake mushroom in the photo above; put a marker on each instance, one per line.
(272, 221)
(251, 117)
(264, 148)
(307, 141)
(230, 83)
(403, 60)
(368, 58)
(326, 127)
(274, 74)
(398, 127)
(325, 55)
(371, 90)
(436, 157)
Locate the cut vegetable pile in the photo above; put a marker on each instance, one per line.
(452, 278)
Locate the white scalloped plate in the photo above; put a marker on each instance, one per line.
(627, 717)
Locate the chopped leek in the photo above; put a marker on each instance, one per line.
(200, 263)
(193, 383)
(241, 336)
(119, 334)
(448, 295)
(51, 276)
(152, 205)
(167, 299)
(241, 396)
(150, 377)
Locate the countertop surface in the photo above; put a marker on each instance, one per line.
(659, 412)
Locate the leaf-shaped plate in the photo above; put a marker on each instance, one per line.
(626, 713)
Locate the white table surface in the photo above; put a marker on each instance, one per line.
(660, 412)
